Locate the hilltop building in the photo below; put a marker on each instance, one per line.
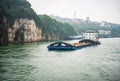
(77, 21)
(87, 20)
(104, 24)
(104, 33)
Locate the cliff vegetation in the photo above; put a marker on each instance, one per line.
(53, 29)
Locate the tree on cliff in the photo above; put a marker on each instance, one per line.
(11, 10)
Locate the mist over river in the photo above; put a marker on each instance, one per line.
(33, 62)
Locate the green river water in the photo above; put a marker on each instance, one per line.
(33, 62)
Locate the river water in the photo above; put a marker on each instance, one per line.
(33, 62)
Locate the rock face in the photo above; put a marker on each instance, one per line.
(24, 30)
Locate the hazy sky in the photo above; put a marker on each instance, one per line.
(97, 10)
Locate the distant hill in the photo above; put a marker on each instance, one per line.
(81, 25)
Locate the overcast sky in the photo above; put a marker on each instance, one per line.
(97, 10)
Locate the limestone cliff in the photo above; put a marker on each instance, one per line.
(24, 30)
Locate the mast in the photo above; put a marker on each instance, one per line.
(74, 14)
